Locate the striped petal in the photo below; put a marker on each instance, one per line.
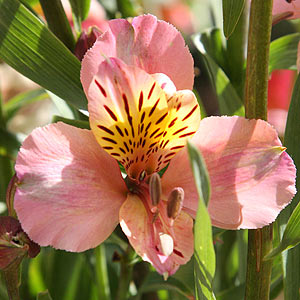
(165, 247)
(70, 190)
(252, 177)
(135, 120)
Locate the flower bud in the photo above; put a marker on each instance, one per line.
(175, 202)
(14, 243)
(155, 189)
(86, 41)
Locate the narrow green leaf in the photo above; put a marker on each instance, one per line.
(228, 99)
(234, 293)
(15, 103)
(283, 52)
(29, 47)
(9, 145)
(201, 176)
(44, 296)
(204, 254)
(75, 123)
(212, 41)
(80, 9)
(155, 282)
(57, 21)
(232, 10)
(291, 235)
(291, 258)
(101, 273)
(127, 8)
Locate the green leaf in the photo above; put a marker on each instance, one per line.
(44, 296)
(283, 52)
(291, 258)
(155, 282)
(235, 293)
(228, 99)
(14, 104)
(29, 47)
(76, 123)
(9, 145)
(57, 21)
(127, 8)
(80, 9)
(291, 235)
(232, 10)
(204, 254)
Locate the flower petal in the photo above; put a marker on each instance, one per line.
(70, 189)
(155, 46)
(151, 239)
(283, 6)
(135, 121)
(252, 178)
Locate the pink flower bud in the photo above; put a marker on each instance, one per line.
(86, 41)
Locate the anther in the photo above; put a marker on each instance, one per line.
(167, 244)
(155, 189)
(142, 175)
(175, 202)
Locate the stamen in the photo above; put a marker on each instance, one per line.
(175, 202)
(165, 275)
(155, 189)
(167, 243)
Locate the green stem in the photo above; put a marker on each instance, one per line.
(57, 22)
(256, 91)
(101, 273)
(125, 273)
(256, 86)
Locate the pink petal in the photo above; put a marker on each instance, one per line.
(155, 46)
(70, 189)
(137, 223)
(252, 179)
(283, 6)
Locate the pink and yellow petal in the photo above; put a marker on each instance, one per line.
(135, 121)
(66, 197)
(144, 232)
(252, 178)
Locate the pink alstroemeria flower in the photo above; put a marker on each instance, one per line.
(71, 194)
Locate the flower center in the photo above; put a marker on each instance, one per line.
(139, 123)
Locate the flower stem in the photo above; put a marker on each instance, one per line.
(125, 273)
(256, 92)
(101, 273)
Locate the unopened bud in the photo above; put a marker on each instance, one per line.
(167, 244)
(155, 189)
(175, 202)
(14, 243)
(86, 41)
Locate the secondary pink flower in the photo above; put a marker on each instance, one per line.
(280, 89)
(71, 193)
(286, 9)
